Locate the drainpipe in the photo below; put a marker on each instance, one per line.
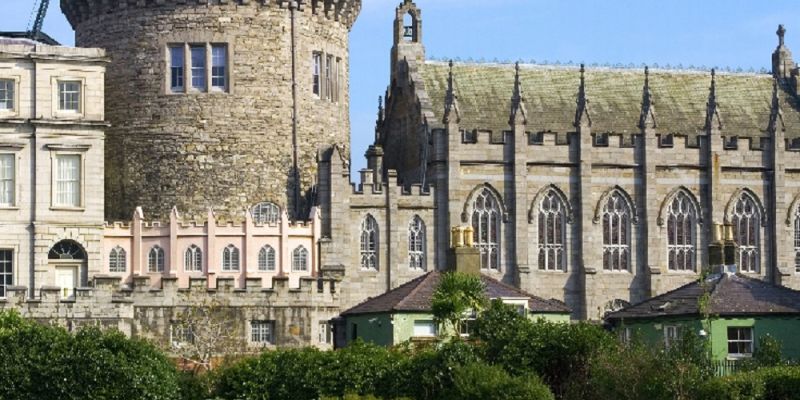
(295, 170)
(33, 203)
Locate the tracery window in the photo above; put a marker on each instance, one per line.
(230, 258)
(155, 259)
(616, 233)
(300, 259)
(746, 220)
(369, 243)
(266, 213)
(116, 260)
(486, 224)
(193, 259)
(416, 243)
(797, 239)
(681, 233)
(552, 232)
(266, 259)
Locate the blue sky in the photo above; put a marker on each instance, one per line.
(734, 33)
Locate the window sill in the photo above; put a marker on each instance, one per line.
(71, 209)
(9, 208)
(551, 271)
(68, 115)
(678, 272)
(738, 357)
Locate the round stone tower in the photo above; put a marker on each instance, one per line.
(218, 103)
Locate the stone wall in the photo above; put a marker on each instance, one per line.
(228, 150)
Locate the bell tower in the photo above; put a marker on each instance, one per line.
(407, 36)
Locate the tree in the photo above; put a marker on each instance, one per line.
(456, 296)
(205, 331)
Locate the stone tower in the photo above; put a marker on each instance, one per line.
(218, 103)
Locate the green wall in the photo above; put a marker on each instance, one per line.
(404, 325)
(785, 329)
(565, 318)
(372, 328)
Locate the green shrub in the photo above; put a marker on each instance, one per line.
(778, 383)
(41, 362)
(478, 381)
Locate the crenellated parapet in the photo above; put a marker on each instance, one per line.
(343, 11)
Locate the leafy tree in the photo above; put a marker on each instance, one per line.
(457, 295)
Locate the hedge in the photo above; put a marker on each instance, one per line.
(776, 383)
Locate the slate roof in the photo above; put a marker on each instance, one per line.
(615, 95)
(416, 295)
(729, 295)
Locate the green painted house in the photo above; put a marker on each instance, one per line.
(405, 314)
(732, 311)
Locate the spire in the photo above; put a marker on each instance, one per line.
(379, 120)
(582, 112)
(518, 112)
(648, 116)
(713, 120)
(776, 122)
(451, 98)
(782, 62)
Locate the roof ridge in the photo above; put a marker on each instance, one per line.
(416, 288)
(516, 289)
(416, 281)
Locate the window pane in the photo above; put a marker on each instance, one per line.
(219, 63)
(316, 70)
(7, 179)
(6, 271)
(69, 96)
(177, 65)
(198, 67)
(68, 180)
(6, 94)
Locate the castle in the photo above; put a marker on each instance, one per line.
(218, 132)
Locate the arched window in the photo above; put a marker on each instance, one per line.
(416, 244)
(116, 260)
(486, 225)
(552, 232)
(193, 259)
(616, 233)
(300, 259)
(67, 250)
(746, 220)
(681, 233)
(266, 259)
(409, 28)
(797, 239)
(230, 258)
(266, 214)
(369, 243)
(155, 260)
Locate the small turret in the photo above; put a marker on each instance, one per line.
(782, 63)
(407, 35)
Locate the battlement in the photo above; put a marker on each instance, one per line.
(78, 11)
(744, 143)
(367, 185)
(549, 138)
(678, 141)
(614, 140)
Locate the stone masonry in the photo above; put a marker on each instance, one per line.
(228, 150)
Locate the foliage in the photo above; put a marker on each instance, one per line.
(639, 371)
(768, 352)
(559, 353)
(777, 383)
(478, 381)
(457, 295)
(40, 362)
(201, 332)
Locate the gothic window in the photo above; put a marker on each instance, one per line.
(266, 259)
(416, 244)
(193, 259)
(681, 233)
(155, 259)
(369, 243)
(266, 214)
(300, 259)
(552, 232)
(616, 233)
(797, 239)
(230, 258)
(746, 220)
(116, 260)
(486, 224)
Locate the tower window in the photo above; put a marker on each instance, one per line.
(219, 62)
(198, 54)
(177, 65)
(317, 69)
